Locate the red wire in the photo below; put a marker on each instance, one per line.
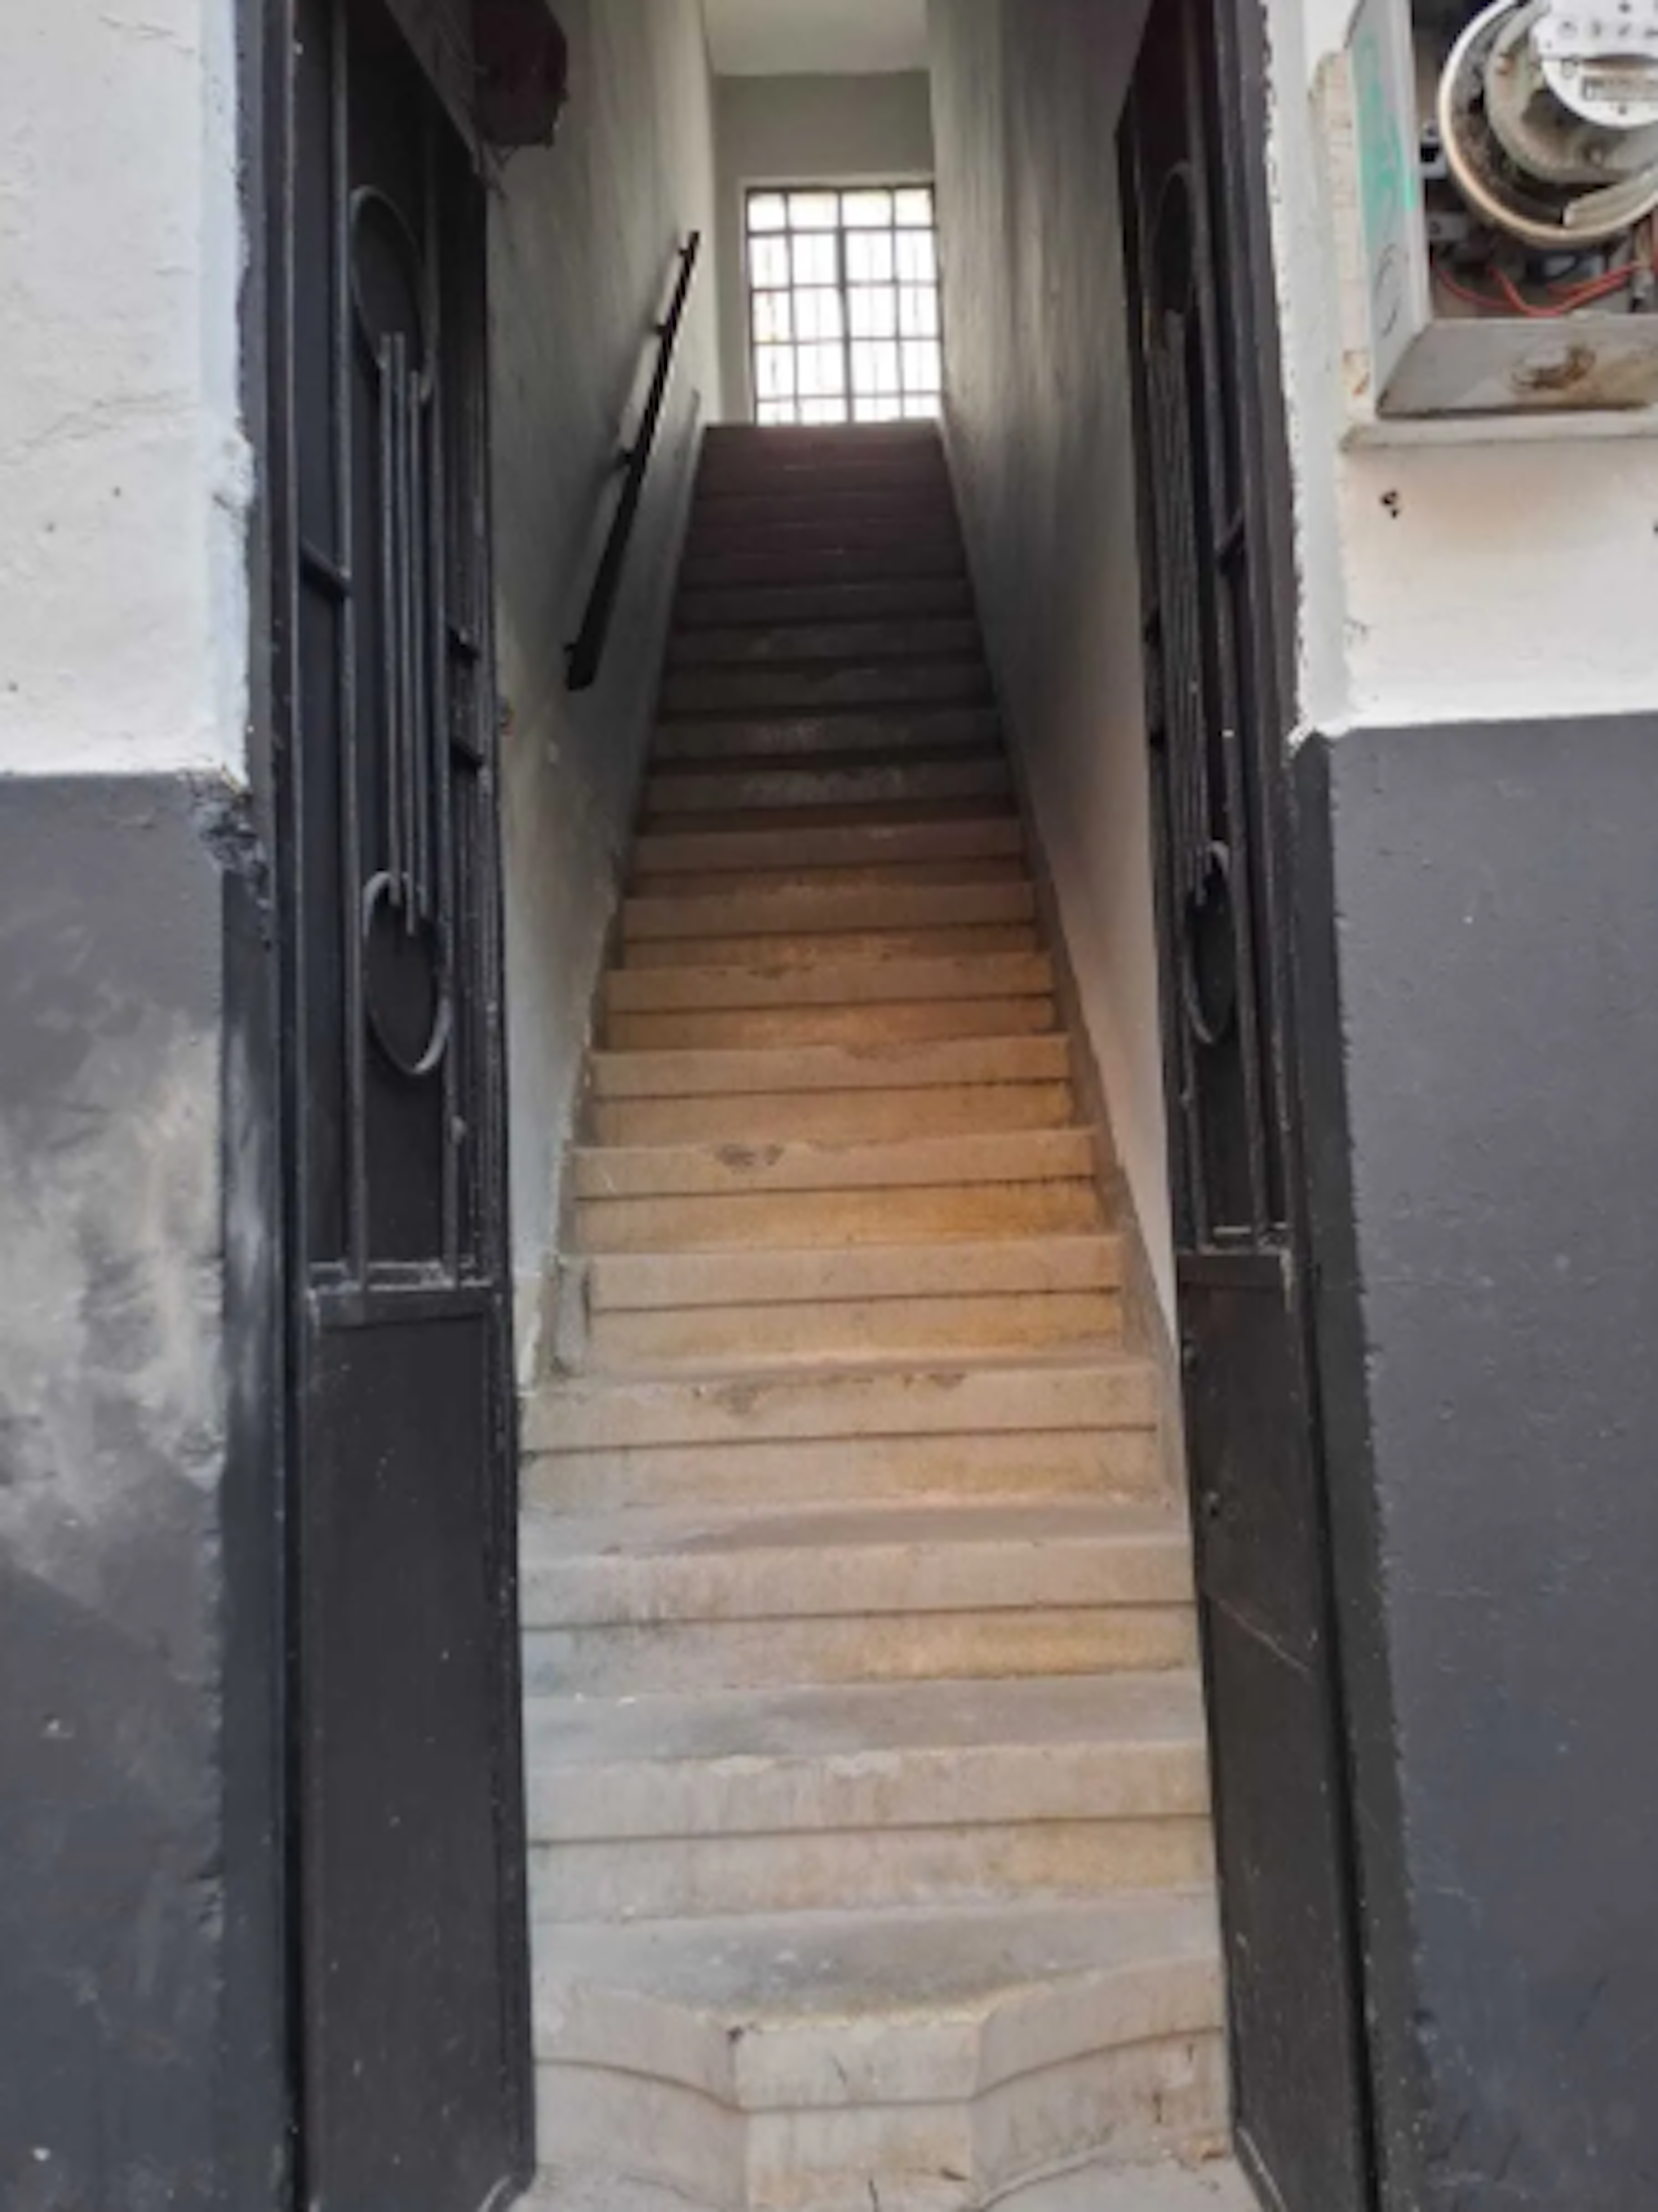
(1568, 303)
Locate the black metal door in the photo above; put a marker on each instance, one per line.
(1214, 521)
(413, 2070)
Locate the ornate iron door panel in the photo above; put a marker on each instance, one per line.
(1217, 721)
(414, 2064)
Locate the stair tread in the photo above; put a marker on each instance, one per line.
(925, 1973)
(661, 1170)
(811, 1722)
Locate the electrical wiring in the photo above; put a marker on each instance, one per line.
(1510, 299)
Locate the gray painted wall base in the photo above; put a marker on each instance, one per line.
(1479, 943)
(139, 2035)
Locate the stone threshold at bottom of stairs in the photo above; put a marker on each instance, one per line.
(774, 2064)
(1214, 2184)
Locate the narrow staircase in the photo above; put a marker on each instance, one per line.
(871, 1864)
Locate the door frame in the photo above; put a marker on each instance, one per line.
(266, 2068)
(1238, 151)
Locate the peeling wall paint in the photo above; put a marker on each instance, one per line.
(582, 250)
(124, 474)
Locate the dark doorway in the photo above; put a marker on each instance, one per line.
(413, 2061)
(1216, 582)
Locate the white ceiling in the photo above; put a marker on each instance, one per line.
(790, 37)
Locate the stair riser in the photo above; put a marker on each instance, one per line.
(787, 953)
(960, 1860)
(948, 638)
(756, 985)
(786, 691)
(846, 1118)
(1152, 2098)
(1002, 1646)
(712, 791)
(927, 1328)
(875, 1470)
(848, 1025)
(672, 1075)
(825, 912)
(717, 531)
(990, 838)
(792, 1221)
(660, 1283)
(765, 605)
(951, 1403)
(716, 1171)
(783, 565)
(901, 876)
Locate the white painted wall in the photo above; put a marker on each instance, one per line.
(1025, 97)
(1458, 573)
(581, 264)
(785, 38)
(803, 130)
(125, 476)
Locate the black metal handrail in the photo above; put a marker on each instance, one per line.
(586, 655)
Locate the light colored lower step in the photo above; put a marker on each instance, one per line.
(794, 953)
(1206, 2184)
(733, 790)
(884, 734)
(617, 1607)
(829, 910)
(757, 984)
(726, 1170)
(721, 1030)
(873, 1796)
(793, 1220)
(823, 1068)
(839, 1117)
(946, 2058)
(859, 845)
(656, 1282)
(853, 1331)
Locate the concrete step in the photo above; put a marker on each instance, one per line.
(941, 637)
(726, 1170)
(756, 983)
(966, 1434)
(789, 1220)
(732, 1028)
(827, 910)
(886, 735)
(692, 851)
(873, 1796)
(1206, 2181)
(801, 952)
(619, 1606)
(783, 523)
(688, 789)
(895, 599)
(852, 1332)
(781, 2064)
(660, 1282)
(892, 875)
(820, 1069)
(858, 496)
(826, 687)
(837, 1117)
(762, 562)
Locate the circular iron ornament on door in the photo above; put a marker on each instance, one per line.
(407, 990)
(1174, 263)
(1209, 949)
(388, 278)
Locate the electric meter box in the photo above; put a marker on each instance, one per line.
(1505, 173)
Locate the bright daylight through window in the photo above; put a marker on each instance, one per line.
(843, 304)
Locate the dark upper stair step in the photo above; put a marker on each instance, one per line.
(726, 691)
(793, 645)
(882, 733)
(857, 499)
(859, 598)
(817, 527)
(690, 790)
(976, 841)
(761, 563)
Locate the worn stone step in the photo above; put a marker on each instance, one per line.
(894, 875)
(823, 1068)
(900, 599)
(837, 1117)
(810, 844)
(643, 1282)
(860, 496)
(853, 1331)
(787, 1220)
(705, 1600)
(800, 952)
(885, 735)
(746, 1170)
(880, 813)
(833, 782)
(758, 984)
(777, 2065)
(761, 562)
(938, 637)
(828, 910)
(877, 1796)
(789, 524)
(825, 687)
(709, 1028)
(1200, 2178)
